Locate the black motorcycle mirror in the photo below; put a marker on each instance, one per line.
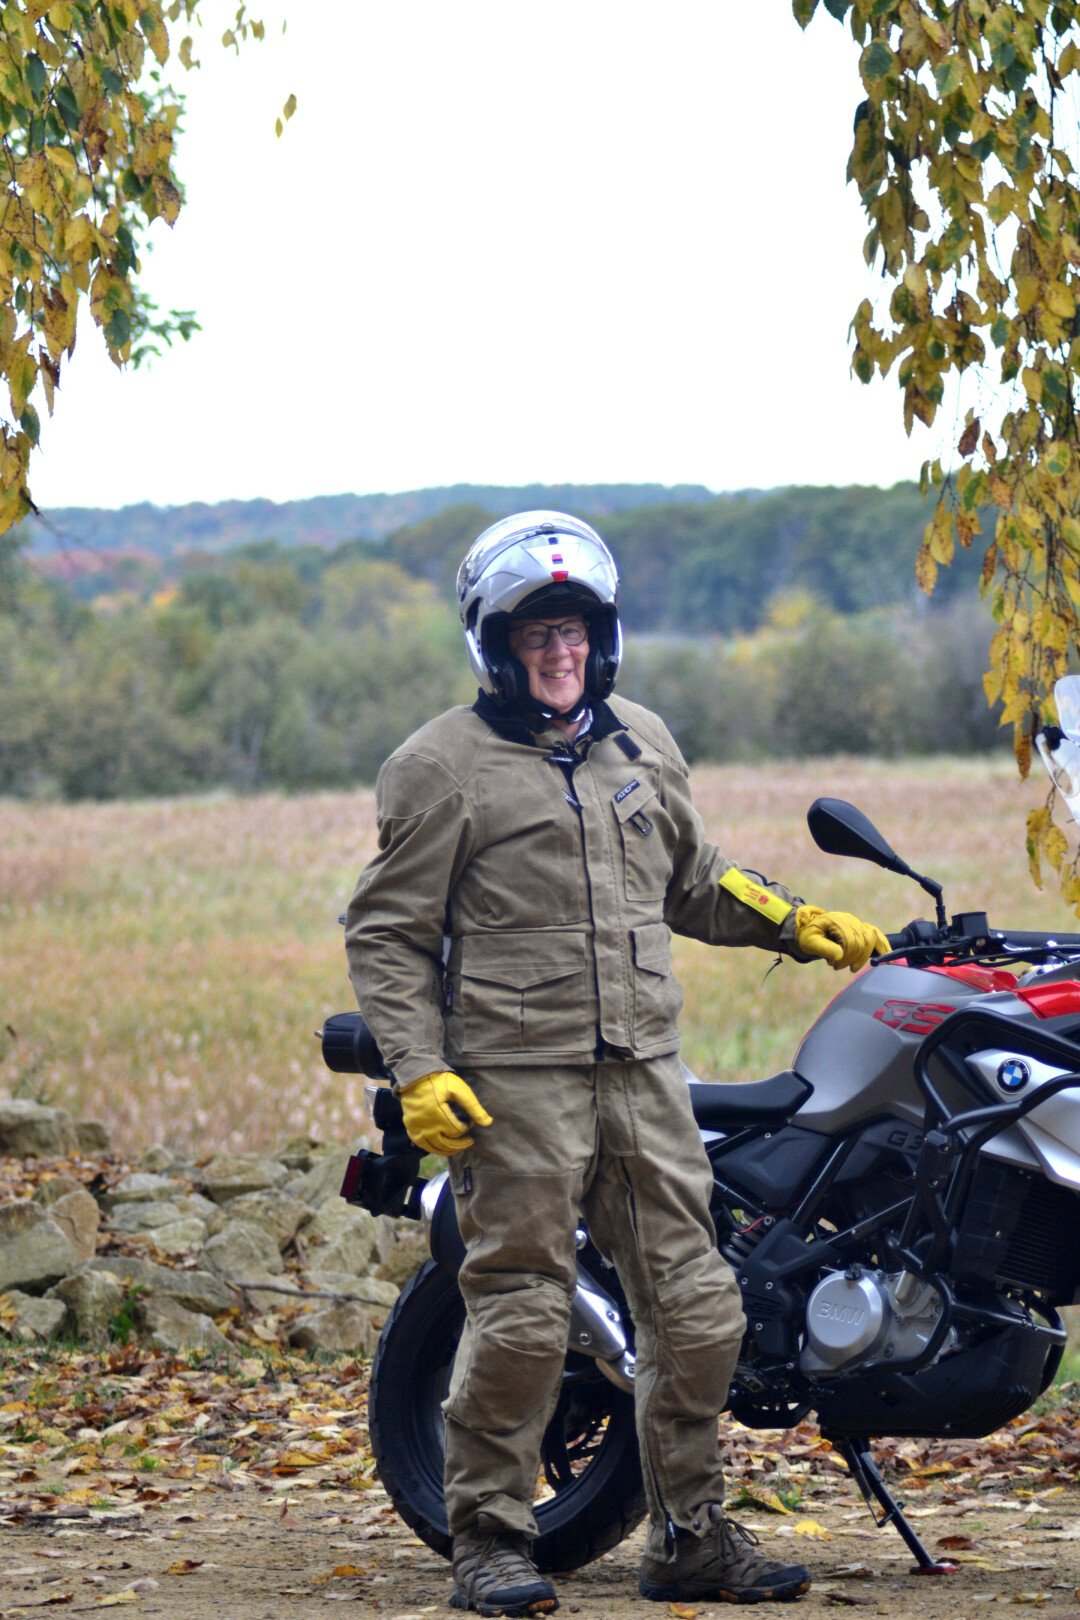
(839, 828)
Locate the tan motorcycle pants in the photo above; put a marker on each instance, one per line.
(616, 1142)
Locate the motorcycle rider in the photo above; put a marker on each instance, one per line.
(549, 834)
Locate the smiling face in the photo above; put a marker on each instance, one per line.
(556, 671)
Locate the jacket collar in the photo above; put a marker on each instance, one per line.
(513, 725)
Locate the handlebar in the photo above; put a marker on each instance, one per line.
(969, 934)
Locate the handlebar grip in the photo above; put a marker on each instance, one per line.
(1015, 936)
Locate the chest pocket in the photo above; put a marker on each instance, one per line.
(647, 835)
(526, 992)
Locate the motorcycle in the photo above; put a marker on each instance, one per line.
(900, 1209)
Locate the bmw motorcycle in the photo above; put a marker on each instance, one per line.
(901, 1209)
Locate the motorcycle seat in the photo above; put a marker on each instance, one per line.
(760, 1102)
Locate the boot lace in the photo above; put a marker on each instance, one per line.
(496, 1560)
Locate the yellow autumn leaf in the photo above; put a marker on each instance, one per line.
(1027, 293)
(925, 570)
(1054, 846)
(938, 538)
(811, 1528)
(1060, 299)
(112, 1598)
(1000, 492)
(1032, 384)
(755, 1496)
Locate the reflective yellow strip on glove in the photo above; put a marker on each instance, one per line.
(840, 938)
(428, 1105)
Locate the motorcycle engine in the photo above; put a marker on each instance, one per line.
(856, 1316)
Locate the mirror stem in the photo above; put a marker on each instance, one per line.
(936, 890)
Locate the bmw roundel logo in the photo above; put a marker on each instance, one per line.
(1013, 1075)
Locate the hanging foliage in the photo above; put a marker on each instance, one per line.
(964, 157)
(88, 126)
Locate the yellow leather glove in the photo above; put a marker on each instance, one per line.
(840, 938)
(430, 1120)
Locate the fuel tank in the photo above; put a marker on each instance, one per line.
(859, 1054)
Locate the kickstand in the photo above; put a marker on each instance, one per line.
(863, 1469)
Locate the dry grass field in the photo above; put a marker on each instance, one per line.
(163, 964)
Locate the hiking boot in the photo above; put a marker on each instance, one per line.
(720, 1566)
(494, 1574)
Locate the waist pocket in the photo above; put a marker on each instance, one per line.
(658, 997)
(525, 993)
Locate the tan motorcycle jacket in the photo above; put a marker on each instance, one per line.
(555, 870)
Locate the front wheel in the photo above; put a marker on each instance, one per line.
(590, 1494)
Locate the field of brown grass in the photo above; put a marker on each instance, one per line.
(163, 964)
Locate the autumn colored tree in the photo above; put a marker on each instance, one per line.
(962, 159)
(88, 125)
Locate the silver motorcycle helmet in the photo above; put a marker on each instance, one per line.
(537, 564)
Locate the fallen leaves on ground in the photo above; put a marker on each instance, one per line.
(810, 1527)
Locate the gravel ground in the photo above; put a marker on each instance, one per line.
(256, 1553)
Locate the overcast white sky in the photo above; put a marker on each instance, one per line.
(593, 240)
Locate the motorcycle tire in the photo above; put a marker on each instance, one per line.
(589, 1454)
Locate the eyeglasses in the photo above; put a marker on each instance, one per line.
(573, 633)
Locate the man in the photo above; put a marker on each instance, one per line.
(549, 835)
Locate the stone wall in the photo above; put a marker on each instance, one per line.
(246, 1248)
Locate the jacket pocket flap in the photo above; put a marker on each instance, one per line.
(639, 795)
(521, 960)
(652, 947)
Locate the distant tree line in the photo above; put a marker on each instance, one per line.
(303, 667)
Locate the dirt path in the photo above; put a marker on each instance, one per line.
(260, 1553)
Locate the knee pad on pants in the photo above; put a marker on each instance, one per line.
(510, 1358)
(698, 1324)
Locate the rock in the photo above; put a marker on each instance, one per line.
(243, 1252)
(195, 1205)
(198, 1291)
(34, 1249)
(92, 1136)
(373, 1291)
(166, 1325)
(298, 1153)
(177, 1237)
(341, 1238)
(275, 1210)
(143, 1217)
(28, 1319)
(47, 1192)
(344, 1326)
(92, 1298)
(387, 1237)
(323, 1180)
(405, 1259)
(140, 1187)
(78, 1214)
(229, 1175)
(155, 1158)
(30, 1129)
